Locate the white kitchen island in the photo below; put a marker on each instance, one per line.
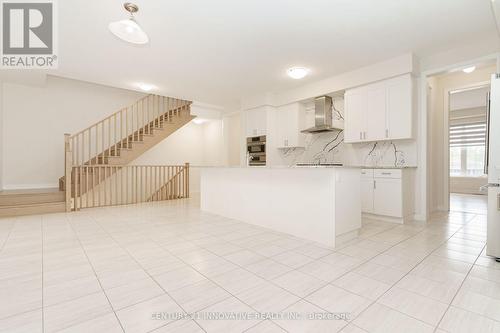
(320, 204)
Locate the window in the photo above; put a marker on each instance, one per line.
(467, 149)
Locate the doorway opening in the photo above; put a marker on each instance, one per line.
(467, 120)
(457, 104)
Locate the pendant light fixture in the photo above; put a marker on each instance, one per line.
(128, 29)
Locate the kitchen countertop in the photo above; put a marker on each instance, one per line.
(382, 167)
(307, 166)
(318, 204)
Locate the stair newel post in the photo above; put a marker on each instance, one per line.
(186, 180)
(68, 165)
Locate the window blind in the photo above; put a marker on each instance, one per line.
(467, 135)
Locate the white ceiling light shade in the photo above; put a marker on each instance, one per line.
(128, 29)
(469, 70)
(199, 121)
(297, 73)
(146, 86)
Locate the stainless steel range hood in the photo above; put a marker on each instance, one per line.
(322, 116)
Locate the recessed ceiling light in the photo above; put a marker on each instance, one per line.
(146, 86)
(128, 29)
(297, 73)
(469, 69)
(199, 121)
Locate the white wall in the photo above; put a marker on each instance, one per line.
(213, 143)
(197, 144)
(36, 118)
(232, 128)
(468, 185)
(438, 152)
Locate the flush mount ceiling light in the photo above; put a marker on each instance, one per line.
(128, 29)
(297, 73)
(146, 86)
(199, 121)
(469, 70)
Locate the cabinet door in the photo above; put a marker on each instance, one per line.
(367, 195)
(295, 123)
(250, 123)
(355, 108)
(256, 122)
(261, 122)
(400, 108)
(388, 197)
(290, 121)
(376, 113)
(281, 128)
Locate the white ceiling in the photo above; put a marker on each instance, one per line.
(218, 51)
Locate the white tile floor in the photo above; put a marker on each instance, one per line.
(113, 269)
(470, 203)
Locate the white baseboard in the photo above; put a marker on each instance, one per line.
(419, 217)
(30, 186)
(384, 218)
(441, 208)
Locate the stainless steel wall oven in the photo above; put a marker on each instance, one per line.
(256, 151)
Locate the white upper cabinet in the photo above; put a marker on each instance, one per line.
(400, 108)
(367, 191)
(380, 111)
(356, 102)
(290, 120)
(256, 122)
(375, 113)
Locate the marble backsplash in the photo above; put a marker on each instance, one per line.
(319, 148)
(329, 147)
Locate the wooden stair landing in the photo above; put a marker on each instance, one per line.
(31, 201)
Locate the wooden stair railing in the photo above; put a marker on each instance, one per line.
(116, 136)
(120, 130)
(127, 184)
(117, 140)
(174, 185)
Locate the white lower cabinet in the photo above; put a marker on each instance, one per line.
(367, 191)
(387, 193)
(387, 197)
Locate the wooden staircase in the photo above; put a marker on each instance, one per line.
(124, 136)
(97, 162)
(27, 202)
(97, 158)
